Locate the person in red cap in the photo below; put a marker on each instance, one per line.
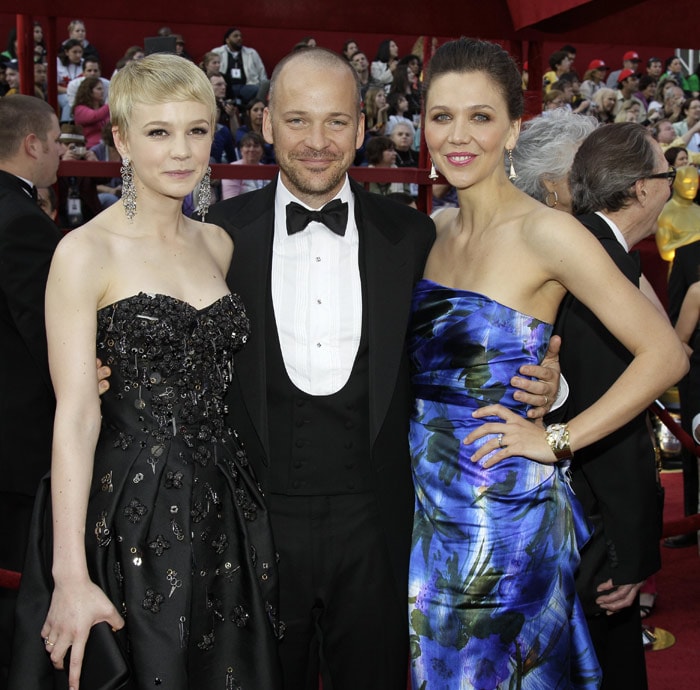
(593, 78)
(627, 86)
(630, 60)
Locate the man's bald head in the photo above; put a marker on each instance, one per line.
(316, 58)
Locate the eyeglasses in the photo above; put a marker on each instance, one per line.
(669, 175)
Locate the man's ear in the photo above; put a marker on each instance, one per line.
(267, 126)
(360, 136)
(33, 146)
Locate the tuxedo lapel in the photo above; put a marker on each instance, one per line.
(628, 264)
(252, 230)
(597, 226)
(388, 285)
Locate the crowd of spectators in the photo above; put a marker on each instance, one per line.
(390, 86)
(657, 93)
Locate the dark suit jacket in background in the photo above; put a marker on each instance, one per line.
(28, 238)
(615, 478)
(685, 271)
(394, 244)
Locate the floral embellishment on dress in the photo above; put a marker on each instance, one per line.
(247, 504)
(239, 616)
(219, 543)
(207, 641)
(152, 600)
(159, 545)
(173, 480)
(123, 440)
(135, 511)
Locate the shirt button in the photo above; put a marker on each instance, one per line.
(318, 301)
(318, 344)
(295, 485)
(300, 443)
(297, 464)
(318, 259)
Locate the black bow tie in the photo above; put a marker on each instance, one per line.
(334, 215)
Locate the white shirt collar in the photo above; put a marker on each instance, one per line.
(615, 230)
(29, 182)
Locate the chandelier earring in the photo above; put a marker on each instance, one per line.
(512, 176)
(204, 194)
(128, 188)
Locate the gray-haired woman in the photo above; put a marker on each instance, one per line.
(544, 154)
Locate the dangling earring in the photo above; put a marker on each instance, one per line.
(552, 202)
(512, 176)
(433, 171)
(204, 194)
(128, 189)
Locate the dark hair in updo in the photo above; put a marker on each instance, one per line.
(472, 55)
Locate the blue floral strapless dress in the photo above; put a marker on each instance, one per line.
(492, 601)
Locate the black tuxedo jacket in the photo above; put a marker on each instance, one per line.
(684, 271)
(615, 478)
(394, 244)
(28, 238)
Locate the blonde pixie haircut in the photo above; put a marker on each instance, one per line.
(158, 78)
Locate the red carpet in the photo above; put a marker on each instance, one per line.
(677, 605)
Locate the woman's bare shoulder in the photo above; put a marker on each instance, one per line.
(213, 235)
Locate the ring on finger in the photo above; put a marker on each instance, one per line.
(500, 441)
(546, 399)
(48, 642)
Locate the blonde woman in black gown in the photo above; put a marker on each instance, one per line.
(158, 525)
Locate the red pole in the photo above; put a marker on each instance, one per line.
(533, 95)
(52, 73)
(425, 191)
(25, 53)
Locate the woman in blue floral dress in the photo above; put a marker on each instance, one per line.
(497, 529)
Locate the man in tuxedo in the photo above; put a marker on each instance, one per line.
(29, 156)
(321, 397)
(619, 184)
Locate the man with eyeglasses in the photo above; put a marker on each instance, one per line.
(619, 185)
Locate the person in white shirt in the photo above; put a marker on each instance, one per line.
(91, 68)
(242, 67)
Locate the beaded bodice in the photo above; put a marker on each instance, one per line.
(171, 362)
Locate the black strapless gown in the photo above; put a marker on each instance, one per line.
(177, 533)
